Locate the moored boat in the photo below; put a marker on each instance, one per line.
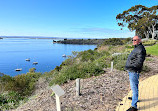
(35, 63)
(20, 69)
(27, 59)
(63, 55)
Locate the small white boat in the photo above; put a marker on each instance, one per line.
(63, 55)
(27, 59)
(18, 69)
(35, 63)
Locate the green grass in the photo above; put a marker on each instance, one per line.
(153, 50)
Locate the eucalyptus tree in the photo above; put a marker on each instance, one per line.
(140, 19)
(153, 19)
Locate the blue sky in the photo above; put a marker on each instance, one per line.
(65, 18)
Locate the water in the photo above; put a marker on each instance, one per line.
(14, 51)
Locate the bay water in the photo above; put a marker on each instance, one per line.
(14, 51)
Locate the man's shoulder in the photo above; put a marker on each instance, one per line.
(141, 46)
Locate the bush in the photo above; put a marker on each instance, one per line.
(82, 70)
(145, 68)
(120, 61)
(32, 70)
(149, 42)
(129, 46)
(91, 55)
(15, 89)
(103, 62)
(127, 40)
(10, 100)
(87, 55)
(23, 84)
(113, 41)
(86, 64)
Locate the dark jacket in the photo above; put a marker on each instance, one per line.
(136, 58)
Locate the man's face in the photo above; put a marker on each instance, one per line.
(136, 40)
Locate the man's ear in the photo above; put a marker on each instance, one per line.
(140, 40)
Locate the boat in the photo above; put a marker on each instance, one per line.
(63, 55)
(27, 59)
(20, 69)
(35, 63)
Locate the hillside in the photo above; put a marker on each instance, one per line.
(81, 41)
(101, 93)
(100, 87)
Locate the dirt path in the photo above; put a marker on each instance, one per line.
(102, 93)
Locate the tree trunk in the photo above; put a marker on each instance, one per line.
(153, 32)
(146, 33)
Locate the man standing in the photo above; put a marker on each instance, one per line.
(134, 66)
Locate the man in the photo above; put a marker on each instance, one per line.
(134, 66)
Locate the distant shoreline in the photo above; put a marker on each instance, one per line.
(81, 41)
(43, 37)
(27, 37)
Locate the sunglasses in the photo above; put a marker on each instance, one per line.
(135, 39)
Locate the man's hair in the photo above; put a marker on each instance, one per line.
(139, 36)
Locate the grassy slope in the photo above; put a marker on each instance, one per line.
(153, 50)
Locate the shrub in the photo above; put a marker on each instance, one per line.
(145, 68)
(91, 55)
(113, 41)
(6, 82)
(87, 55)
(149, 42)
(15, 89)
(129, 46)
(127, 40)
(119, 61)
(10, 100)
(32, 70)
(81, 70)
(103, 62)
(23, 84)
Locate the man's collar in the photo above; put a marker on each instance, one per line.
(137, 44)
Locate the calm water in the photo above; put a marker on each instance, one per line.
(14, 51)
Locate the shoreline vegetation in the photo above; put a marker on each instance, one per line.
(83, 41)
(84, 64)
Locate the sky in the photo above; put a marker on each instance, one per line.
(65, 18)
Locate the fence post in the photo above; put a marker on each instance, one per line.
(112, 65)
(58, 92)
(78, 87)
(58, 103)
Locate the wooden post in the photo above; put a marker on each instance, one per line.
(112, 64)
(58, 92)
(58, 103)
(78, 87)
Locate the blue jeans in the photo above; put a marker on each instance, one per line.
(134, 81)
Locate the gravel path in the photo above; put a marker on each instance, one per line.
(101, 93)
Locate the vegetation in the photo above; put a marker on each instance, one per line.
(152, 50)
(149, 42)
(139, 18)
(113, 41)
(86, 64)
(15, 89)
(82, 64)
(81, 41)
